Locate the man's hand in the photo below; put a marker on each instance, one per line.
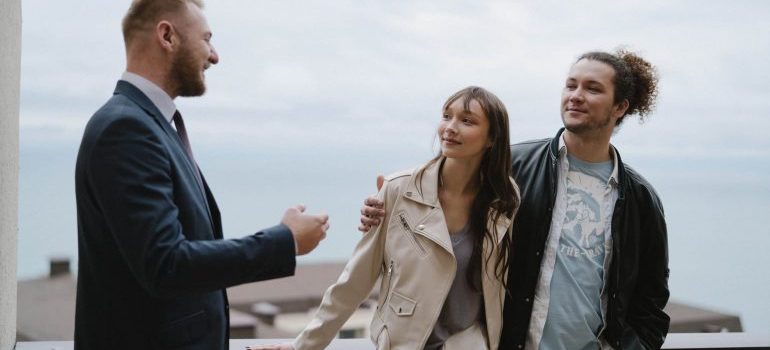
(286, 346)
(307, 229)
(372, 211)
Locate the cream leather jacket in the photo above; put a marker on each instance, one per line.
(412, 252)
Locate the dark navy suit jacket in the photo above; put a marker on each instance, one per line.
(152, 262)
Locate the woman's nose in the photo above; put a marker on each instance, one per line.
(451, 127)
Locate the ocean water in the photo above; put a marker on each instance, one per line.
(717, 211)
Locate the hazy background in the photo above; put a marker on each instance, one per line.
(312, 99)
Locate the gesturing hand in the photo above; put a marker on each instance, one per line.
(308, 230)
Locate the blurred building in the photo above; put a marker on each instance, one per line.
(272, 309)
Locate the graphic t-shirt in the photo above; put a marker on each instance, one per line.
(575, 309)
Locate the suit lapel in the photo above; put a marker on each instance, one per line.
(134, 94)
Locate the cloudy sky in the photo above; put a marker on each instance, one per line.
(333, 92)
(298, 74)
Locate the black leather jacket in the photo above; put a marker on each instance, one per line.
(637, 282)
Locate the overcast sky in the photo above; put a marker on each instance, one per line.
(373, 74)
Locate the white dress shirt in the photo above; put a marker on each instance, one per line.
(157, 96)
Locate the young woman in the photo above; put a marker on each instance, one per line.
(441, 249)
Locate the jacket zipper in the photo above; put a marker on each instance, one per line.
(389, 276)
(411, 234)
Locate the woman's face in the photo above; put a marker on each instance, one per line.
(464, 134)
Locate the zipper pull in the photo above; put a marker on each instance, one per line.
(404, 223)
(390, 268)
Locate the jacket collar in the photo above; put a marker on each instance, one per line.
(137, 96)
(426, 193)
(154, 93)
(134, 94)
(554, 146)
(554, 149)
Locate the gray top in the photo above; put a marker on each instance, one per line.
(463, 305)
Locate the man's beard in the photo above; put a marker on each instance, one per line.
(185, 73)
(589, 126)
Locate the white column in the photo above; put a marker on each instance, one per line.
(10, 63)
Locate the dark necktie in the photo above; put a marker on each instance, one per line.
(182, 132)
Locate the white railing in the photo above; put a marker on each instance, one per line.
(674, 341)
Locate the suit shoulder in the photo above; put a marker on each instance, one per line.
(119, 113)
(119, 107)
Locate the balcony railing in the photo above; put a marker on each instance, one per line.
(674, 341)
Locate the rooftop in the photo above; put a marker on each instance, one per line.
(255, 306)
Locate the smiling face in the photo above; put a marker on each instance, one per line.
(587, 101)
(195, 54)
(464, 133)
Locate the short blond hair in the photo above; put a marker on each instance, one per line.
(144, 14)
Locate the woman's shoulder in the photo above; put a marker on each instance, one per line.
(401, 175)
(398, 180)
(395, 183)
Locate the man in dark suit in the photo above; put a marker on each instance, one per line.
(152, 262)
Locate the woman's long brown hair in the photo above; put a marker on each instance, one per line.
(495, 189)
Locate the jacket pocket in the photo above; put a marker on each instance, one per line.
(184, 330)
(403, 220)
(401, 305)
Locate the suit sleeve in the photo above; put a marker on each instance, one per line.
(645, 314)
(352, 287)
(129, 172)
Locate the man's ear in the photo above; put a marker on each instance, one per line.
(619, 110)
(166, 35)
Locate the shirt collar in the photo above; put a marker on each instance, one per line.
(159, 98)
(613, 180)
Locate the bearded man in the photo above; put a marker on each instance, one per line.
(152, 262)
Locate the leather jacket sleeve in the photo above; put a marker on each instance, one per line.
(645, 314)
